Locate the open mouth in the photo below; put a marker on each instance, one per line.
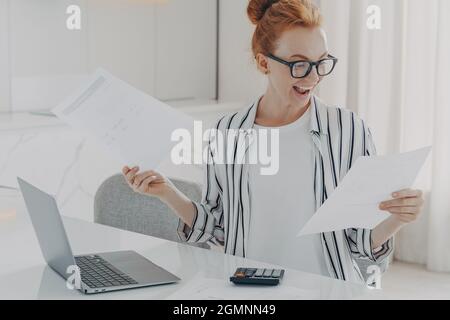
(302, 91)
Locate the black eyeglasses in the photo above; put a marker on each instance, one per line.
(302, 68)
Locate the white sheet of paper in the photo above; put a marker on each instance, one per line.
(371, 180)
(135, 127)
(200, 288)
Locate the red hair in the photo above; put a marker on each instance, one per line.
(273, 17)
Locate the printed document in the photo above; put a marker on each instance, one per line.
(371, 180)
(133, 126)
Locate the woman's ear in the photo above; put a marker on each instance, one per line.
(262, 63)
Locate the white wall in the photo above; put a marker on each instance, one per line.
(46, 59)
(191, 72)
(122, 38)
(4, 57)
(239, 79)
(157, 46)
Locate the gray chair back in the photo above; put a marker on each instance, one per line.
(117, 205)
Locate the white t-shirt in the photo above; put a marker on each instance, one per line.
(281, 204)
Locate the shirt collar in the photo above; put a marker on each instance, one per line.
(318, 114)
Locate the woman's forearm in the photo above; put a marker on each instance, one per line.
(385, 230)
(180, 204)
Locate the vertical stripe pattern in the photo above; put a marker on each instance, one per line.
(223, 215)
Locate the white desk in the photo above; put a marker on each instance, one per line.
(24, 274)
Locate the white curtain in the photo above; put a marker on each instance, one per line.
(398, 79)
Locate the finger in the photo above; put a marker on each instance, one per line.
(130, 175)
(404, 210)
(401, 203)
(145, 185)
(140, 177)
(406, 217)
(125, 170)
(407, 193)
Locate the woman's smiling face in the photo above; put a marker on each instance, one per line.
(298, 43)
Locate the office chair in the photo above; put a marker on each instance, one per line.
(117, 205)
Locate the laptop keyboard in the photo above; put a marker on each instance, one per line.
(98, 273)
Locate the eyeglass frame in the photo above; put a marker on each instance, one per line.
(311, 64)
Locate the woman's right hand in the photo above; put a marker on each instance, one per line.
(155, 184)
(147, 182)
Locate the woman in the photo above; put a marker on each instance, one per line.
(258, 216)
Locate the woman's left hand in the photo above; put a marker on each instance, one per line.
(406, 205)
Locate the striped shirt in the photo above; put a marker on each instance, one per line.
(222, 216)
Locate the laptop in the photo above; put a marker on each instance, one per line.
(100, 272)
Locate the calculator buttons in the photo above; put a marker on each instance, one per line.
(257, 276)
(267, 273)
(276, 273)
(250, 272)
(259, 273)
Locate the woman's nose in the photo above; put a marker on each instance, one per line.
(313, 77)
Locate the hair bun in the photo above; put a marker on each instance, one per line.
(257, 8)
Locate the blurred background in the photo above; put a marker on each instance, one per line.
(196, 56)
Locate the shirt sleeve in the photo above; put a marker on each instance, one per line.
(208, 220)
(360, 239)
